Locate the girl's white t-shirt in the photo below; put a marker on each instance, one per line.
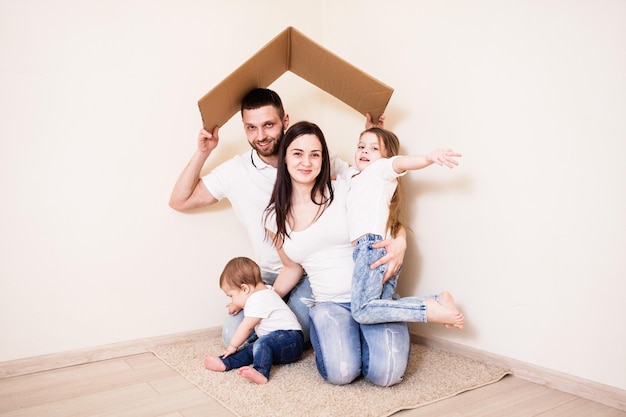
(369, 197)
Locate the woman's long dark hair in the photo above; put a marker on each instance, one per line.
(280, 203)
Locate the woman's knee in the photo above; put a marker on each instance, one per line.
(386, 348)
(336, 341)
(342, 376)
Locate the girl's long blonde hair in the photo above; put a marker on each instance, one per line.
(390, 146)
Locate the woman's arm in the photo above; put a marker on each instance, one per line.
(395, 253)
(290, 274)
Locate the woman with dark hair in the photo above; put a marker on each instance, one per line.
(307, 220)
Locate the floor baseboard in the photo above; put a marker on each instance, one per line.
(594, 391)
(590, 390)
(42, 363)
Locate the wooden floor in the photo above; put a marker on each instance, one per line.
(142, 385)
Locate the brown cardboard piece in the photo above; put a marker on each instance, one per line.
(291, 51)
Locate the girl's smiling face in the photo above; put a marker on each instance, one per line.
(368, 150)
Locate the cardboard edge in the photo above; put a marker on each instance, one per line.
(223, 101)
(350, 84)
(290, 50)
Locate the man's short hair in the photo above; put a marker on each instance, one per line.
(260, 97)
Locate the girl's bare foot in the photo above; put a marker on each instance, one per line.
(252, 374)
(213, 363)
(444, 311)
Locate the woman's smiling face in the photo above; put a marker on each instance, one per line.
(304, 159)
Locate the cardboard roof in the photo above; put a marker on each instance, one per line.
(291, 51)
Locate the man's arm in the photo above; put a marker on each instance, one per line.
(189, 191)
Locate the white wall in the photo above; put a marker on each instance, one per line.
(99, 116)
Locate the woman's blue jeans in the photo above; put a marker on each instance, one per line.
(277, 347)
(374, 302)
(296, 300)
(345, 349)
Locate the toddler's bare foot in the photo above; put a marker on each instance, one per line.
(444, 311)
(213, 363)
(252, 374)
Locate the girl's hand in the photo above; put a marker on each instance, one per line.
(369, 123)
(444, 157)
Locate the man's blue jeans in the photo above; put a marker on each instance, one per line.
(345, 349)
(374, 302)
(296, 300)
(277, 347)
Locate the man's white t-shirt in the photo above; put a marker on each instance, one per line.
(248, 182)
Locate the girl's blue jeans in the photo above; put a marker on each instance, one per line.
(374, 302)
(277, 347)
(345, 349)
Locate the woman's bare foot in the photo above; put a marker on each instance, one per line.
(444, 311)
(252, 374)
(213, 363)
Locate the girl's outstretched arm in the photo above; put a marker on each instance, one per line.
(439, 157)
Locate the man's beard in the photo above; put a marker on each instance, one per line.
(271, 151)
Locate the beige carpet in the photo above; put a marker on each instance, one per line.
(298, 390)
